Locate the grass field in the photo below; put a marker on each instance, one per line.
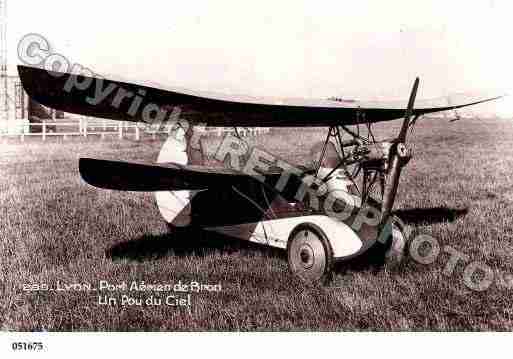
(56, 229)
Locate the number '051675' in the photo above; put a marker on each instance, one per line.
(33, 346)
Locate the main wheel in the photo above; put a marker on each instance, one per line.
(310, 256)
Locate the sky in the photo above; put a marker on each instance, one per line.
(360, 49)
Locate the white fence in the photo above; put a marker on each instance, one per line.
(85, 127)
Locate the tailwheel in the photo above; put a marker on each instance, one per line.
(310, 256)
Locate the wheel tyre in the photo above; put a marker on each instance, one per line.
(310, 256)
(395, 252)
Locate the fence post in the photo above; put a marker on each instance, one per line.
(44, 130)
(84, 127)
(137, 135)
(120, 128)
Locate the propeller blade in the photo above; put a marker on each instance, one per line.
(409, 112)
(397, 160)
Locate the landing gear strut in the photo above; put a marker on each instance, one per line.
(380, 162)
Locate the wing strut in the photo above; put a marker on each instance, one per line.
(380, 161)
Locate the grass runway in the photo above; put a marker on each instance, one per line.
(56, 230)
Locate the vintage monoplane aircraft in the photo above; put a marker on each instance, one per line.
(262, 206)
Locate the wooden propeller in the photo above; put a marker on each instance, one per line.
(399, 156)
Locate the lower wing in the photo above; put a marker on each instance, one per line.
(134, 176)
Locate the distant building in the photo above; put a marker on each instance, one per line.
(13, 105)
(17, 109)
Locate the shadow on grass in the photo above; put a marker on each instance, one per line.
(183, 243)
(200, 243)
(430, 215)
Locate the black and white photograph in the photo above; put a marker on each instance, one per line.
(223, 166)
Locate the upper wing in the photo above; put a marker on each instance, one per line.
(117, 100)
